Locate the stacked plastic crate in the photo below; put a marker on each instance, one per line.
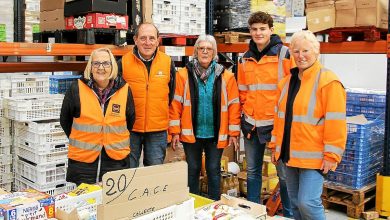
(6, 21)
(40, 144)
(5, 140)
(370, 103)
(59, 84)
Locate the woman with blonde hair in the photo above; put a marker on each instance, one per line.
(97, 114)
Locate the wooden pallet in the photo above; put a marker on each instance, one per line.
(369, 33)
(177, 39)
(356, 201)
(83, 36)
(231, 37)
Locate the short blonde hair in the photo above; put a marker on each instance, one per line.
(207, 38)
(114, 65)
(306, 35)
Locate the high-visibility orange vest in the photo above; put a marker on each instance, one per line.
(92, 130)
(318, 129)
(257, 84)
(150, 91)
(181, 108)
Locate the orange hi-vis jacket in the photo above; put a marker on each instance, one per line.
(150, 91)
(93, 130)
(182, 108)
(318, 129)
(257, 84)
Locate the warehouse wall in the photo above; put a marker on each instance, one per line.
(358, 70)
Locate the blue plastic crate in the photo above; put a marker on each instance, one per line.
(366, 99)
(361, 167)
(354, 155)
(351, 181)
(369, 112)
(59, 84)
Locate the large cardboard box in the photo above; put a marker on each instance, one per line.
(382, 14)
(52, 20)
(147, 10)
(366, 12)
(80, 7)
(50, 5)
(320, 4)
(320, 18)
(345, 13)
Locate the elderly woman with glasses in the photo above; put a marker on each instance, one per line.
(205, 114)
(97, 114)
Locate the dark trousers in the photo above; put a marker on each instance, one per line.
(213, 155)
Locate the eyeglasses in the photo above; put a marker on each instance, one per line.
(205, 49)
(105, 64)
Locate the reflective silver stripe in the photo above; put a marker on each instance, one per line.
(234, 101)
(186, 132)
(255, 87)
(85, 146)
(276, 109)
(273, 138)
(258, 123)
(118, 145)
(281, 115)
(335, 116)
(115, 129)
(224, 108)
(307, 154)
(174, 122)
(284, 91)
(308, 120)
(243, 87)
(282, 55)
(222, 137)
(234, 127)
(178, 98)
(277, 149)
(333, 149)
(187, 103)
(87, 128)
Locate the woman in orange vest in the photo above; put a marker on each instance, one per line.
(205, 114)
(310, 130)
(97, 114)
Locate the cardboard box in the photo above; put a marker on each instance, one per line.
(147, 10)
(382, 14)
(52, 20)
(97, 20)
(174, 155)
(50, 5)
(269, 169)
(320, 4)
(345, 13)
(320, 18)
(81, 7)
(366, 12)
(229, 151)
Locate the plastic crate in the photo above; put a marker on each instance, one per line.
(41, 127)
(365, 97)
(359, 168)
(51, 189)
(200, 200)
(5, 131)
(5, 87)
(5, 149)
(5, 159)
(46, 173)
(34, 109)
(350, 180)
(23, 85)
(6, 177)
(59, 84)
(42, 153)
(5, 168)
(183, 211)
(82, 202)
(32, 137)
(6, 186)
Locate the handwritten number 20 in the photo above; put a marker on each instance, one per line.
(121, 185)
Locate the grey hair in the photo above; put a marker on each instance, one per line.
(306, 35)
(207, 38)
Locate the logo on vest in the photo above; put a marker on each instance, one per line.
(116, 108)
(160, 73)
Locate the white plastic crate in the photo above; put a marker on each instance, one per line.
(32, 137)
(5, 168)
(5, 149)
(41, 127)
(21, 184)
(5, 159)
(24, 109)
(47, 173)
(183, 211)
(23, 85)
(6, 177)
(5, 87)
(81, 202)
(6, 186)
(5, 131)
(42, 153)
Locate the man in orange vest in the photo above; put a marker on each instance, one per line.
(265, 63)
(151, 76)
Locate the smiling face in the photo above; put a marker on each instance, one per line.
(304, 54)
(101, 68)
(146, 41)
(261, 34)
(205, 53)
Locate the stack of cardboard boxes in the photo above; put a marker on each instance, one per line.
(52, 15)
(320, 15)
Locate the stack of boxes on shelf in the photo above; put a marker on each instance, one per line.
(31, 13)
(52, 15)
(320, 15)
(39, 143)
(231, 15)
(363, 157)
(5, 140)
(7, 21)
(185, 17)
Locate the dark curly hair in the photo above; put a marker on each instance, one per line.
(261, 17)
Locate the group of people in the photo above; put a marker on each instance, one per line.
(283, 99)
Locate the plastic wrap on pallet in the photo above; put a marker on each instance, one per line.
(232, 15)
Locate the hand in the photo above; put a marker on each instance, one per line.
(233, 141)
(327, 165)
(273, 158)
(175, 141)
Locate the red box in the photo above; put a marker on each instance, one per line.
(97, 20)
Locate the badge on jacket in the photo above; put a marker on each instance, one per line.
(116, 108)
